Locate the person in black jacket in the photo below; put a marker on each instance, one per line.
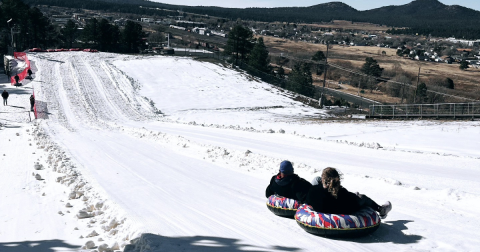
(287, 184)
(328, 196)
(32, 102)
(5, 97)
(29, 73)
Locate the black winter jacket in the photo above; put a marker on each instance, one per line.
(322, 201)
(292, 187)
(5, 95)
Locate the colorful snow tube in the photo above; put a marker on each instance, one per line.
(282, 206)
(360, 223)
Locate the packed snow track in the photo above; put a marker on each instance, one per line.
(183, 152)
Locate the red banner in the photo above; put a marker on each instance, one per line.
(23, 57)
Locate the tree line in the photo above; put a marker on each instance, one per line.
(31, 29)
(421, 17)
(252, 55)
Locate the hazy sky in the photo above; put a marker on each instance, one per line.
(357, 4)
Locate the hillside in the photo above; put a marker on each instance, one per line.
(421, 16)
(183, 150)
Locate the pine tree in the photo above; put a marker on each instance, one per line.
(319, 56)
(464, 65)
(240, 43)
(371, 67)
(450, 83)
(69, 33)
(258, 58)
(300, 80)
(421, 92)
(90, 33)
(132, 37)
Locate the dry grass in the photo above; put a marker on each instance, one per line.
(467, 81)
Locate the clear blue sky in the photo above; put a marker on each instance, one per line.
(357, 4)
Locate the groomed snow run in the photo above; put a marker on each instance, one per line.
(140, 154)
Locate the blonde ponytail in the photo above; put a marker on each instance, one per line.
(331, 179)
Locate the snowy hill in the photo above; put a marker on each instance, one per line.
(182, 151)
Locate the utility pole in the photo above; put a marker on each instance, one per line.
(358, 87)
(322, 97)
(12, 45)
(403, 91)
(416, 89)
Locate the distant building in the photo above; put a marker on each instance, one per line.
(60, 19)
(147, 20)
(178, 27)
(221, 34)
(465, 42)
(201, 31)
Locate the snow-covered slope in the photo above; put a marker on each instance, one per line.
(181, 151)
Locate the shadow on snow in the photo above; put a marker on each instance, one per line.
(196, 243)
(389, 231)
(37, 246)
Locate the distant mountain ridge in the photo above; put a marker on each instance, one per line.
(421, 16)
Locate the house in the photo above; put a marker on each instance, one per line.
(420, 57)
(465, 42)
(60, 19)
(79, 16)
(201, 31)
(447, 59)
(221, 34)
(147, 20)
(120, 22)
(177, 27)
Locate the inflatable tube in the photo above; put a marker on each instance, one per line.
(282, 206)
(360, 223)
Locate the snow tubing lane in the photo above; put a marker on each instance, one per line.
(360, 223)
(282, 206)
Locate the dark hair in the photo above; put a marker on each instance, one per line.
(331, 177)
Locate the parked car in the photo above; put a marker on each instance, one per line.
(50, 50)
(75, 49)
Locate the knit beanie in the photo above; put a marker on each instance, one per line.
(286, 167)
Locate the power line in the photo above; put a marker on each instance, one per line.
(396, 82)
(377, 78)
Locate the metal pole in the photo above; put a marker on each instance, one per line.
(403, 91)
(324, 80)
(11, 31)
(406, 109)
(416, 89)
(454, 112)
(358, 87)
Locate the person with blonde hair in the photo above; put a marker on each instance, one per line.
(328, 196)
